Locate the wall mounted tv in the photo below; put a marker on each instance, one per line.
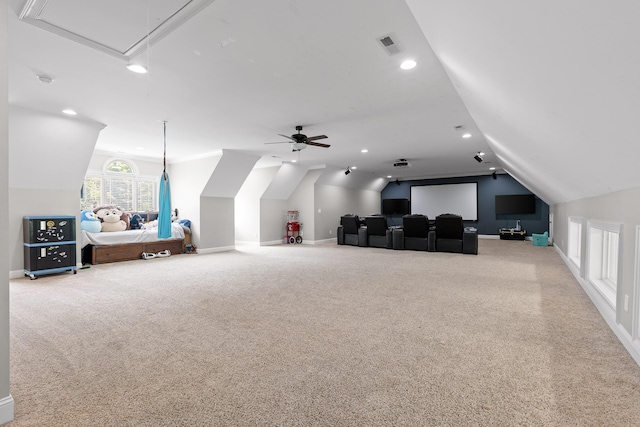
(395, 207)
(515, 204)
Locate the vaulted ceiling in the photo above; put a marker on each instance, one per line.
(548, 90)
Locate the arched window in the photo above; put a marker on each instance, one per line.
(119, 166)
(119, 184)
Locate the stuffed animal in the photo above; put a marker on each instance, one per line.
(89, 222)
(113, 218)
(135, 223)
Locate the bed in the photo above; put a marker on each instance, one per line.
(99, 248)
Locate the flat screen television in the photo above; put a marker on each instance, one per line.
(515, 204)
(395, 207)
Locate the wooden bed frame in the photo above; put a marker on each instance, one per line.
(100, 254)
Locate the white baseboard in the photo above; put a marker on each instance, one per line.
(6, 409)
(319, 242)
(247, 243)
(607, 313)
(215, 250)
(272, 242)
(16, 274)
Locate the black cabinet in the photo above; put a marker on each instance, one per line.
(511, 234)
(49, 244)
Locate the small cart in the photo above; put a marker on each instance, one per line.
(294, 234)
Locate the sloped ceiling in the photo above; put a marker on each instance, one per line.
(548, 89)
(240, 72)
(553, 85)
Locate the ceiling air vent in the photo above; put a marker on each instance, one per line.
(389, 44)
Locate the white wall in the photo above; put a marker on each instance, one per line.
(6, 401)
(285, 182)
(217, 210)
(229, 174)
(333, 202)
(272, 220)
(302, 200)
(49, 151)
(333, 175)
(188, 180)
(49, 158)
(216, 224)
(247, 204)
(274, 203)
(619, 207)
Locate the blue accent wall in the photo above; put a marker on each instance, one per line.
(488, 222)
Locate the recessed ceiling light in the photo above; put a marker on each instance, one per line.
(69, 112)
(466, 135)
(408, 64)
(364, 150)
(492, 169)
(137, 68)
(293, 161)
(481, 153)
(389, 176)
(354, 167)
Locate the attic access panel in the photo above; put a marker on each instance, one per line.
(116, 27)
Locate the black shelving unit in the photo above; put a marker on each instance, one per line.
(49, 245)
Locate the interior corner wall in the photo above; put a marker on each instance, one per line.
(6, 402)
(188, 180)
(217, 204)
(275, 202)
(302, 200)
(49, 155)
(247, 204)
(621, 207)
(273, 214)
(331, 202)
(217, 231)
(48, 151)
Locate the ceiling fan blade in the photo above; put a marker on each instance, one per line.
(317, 144)
(313, 138)
(288, 137)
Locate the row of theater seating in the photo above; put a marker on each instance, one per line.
(448, 235)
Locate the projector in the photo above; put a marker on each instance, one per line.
(401, 163)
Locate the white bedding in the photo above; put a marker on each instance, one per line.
(129, 236)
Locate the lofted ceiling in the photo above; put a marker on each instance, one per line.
(235, 74)
(548, 90)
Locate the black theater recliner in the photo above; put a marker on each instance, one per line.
(349, 231)
(451, 236)
(414, 233)
(378, 234)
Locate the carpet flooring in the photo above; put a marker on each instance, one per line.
(322, 335)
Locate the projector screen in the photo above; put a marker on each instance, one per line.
(433, 200)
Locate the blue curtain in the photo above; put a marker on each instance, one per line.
(164, 214)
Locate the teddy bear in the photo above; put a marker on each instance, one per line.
(113, 218)
(89, 222)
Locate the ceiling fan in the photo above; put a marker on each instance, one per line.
(300, 141)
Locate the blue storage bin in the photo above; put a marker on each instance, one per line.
(540, 239)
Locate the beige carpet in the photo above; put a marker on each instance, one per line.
(319, 336)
